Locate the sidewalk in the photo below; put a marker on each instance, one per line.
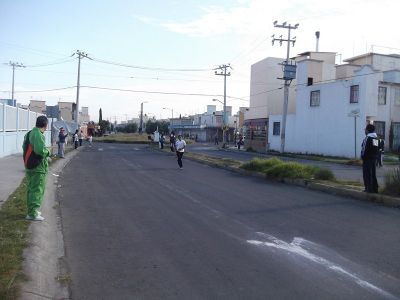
(11, 173)
(341, 171)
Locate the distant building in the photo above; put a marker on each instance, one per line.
(9, 102)
(67, 111)
(84, 117)
(38, 106)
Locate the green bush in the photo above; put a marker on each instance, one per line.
(323, 174)
(260, 165)
(290, 170)
(392, 182)
(276, 168)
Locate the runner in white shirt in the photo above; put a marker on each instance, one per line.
(180, 149)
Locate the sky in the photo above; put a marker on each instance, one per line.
(170, 47)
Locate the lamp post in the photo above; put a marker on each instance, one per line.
(171, 109)
(355, 114)
(141, 117)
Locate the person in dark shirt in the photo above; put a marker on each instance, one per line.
(61, 142)
(369, 154)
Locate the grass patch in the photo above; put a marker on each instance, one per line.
(276, 168)
(392, 183)
(13, 240)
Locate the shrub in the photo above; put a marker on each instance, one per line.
(276, 168)
(250, 149)
(323, 174)
(260, 165)
(392, 182)
(290, 170)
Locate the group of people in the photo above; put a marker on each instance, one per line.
(77, 138)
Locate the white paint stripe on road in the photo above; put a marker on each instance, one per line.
(295, 248)
(100, 149)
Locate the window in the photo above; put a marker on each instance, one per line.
(380, 128)
(314, 98)
(354, 93)
(382, 91)
(396, 93)
(310, 81)
(277, 128)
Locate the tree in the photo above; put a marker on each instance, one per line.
(104, 125)
(100, 115)
(129, 128)
(152, 125)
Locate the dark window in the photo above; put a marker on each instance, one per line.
(354, 93)
(277, 128)
(382, 91)
(314, 98)
(310, 81)
(380, 128)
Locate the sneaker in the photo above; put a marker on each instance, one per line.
(37, 218)
(180, 168)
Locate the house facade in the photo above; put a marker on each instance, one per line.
(335, 102)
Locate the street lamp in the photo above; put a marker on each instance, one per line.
(141, 117)
(171, 109)
(355, 114)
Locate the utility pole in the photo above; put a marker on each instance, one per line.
(223, 72)
(141, 117)
(289, 73)
(80, 55)
(14, 65)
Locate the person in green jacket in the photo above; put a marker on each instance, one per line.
(36, 177)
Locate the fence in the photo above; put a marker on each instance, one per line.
(15, 122)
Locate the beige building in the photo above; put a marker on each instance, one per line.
(38, 106)
(84, 117)
(266, 98)
(67, 111)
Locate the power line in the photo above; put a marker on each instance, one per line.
(148, 68)
(51, 63)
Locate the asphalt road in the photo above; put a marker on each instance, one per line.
(137, 227)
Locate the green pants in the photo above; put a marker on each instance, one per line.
(36, 185)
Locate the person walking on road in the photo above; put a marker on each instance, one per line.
(35, 156)
(369, 153)
(76, 139)
(161, 141)
(180, 149)
(81, 136)
(61, 142)
(172, 140)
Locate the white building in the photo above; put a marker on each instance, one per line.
(335, 102)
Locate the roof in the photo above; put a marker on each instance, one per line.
(370, 54)
(309, 52)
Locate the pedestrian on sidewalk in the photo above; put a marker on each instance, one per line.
(35, 156)
(161, 141)
(90, 138)
(216, 140)
(61, 142)
(369, 153)
(172, 140)
(81, 136)
(240, 143)
(76, 139)
(180, 149)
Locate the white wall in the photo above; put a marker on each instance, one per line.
(14, 124)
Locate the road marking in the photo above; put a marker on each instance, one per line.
(100, 149)
(295, 248)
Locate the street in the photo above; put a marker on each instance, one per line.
(137, 227)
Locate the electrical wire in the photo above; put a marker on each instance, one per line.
(51, 63)
(148, 68)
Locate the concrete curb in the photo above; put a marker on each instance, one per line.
(313, 185)
(44, 262)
